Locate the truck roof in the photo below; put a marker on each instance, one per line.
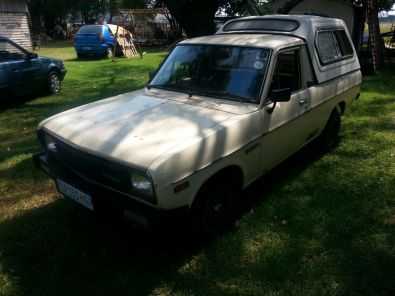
(302, 26)
(248, 40)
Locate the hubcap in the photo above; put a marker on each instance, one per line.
(54, 83)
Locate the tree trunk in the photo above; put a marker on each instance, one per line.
(288, 6)
(376, 45)
(359, 27)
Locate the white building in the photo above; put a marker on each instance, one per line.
(15, 23)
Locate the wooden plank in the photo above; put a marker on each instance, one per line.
(125, 41)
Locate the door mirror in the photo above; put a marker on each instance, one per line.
(281, 95)
(31, 56)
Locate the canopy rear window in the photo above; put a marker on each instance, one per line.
(262, 25)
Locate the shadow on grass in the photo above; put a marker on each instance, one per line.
(12, 101)
(57, 44)
(62, 249)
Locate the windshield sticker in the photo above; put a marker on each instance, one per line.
(259, 65)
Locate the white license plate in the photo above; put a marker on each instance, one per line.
(73, 193)
(87, 48)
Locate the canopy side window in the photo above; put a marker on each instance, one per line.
(333, 46)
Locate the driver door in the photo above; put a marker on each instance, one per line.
(22, 71)
(285, 130)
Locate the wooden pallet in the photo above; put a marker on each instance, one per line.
(124, 41)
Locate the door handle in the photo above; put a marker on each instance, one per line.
(302, 102)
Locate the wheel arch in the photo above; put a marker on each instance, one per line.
(53, 68)
(342, 107)
(232, 173)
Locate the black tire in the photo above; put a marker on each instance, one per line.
(329, 137)
(214, 208)
(54, 83)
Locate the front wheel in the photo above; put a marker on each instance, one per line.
(214, 208)
(54, 83)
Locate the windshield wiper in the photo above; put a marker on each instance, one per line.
(225, 95)
(190, 93)
(228, 96)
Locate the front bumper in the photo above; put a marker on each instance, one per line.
(106, 200)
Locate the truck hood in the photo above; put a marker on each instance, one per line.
(136, 128)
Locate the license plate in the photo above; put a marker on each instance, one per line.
(73, 193)
(87, 48)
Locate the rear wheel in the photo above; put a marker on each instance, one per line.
(214, 208)
(329, 137)
(54, 83)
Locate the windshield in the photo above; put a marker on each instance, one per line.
(228, 72)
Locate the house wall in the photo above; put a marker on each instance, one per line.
(14, 22)
(342, 9)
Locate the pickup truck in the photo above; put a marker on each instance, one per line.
(220, 112)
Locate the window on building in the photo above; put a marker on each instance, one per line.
(8, 51)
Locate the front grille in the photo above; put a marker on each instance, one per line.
(93, 168)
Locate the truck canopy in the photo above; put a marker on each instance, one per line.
(317, 32)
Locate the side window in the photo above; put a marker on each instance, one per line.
(8, 52)
(344, 43)
(333, 46)
(328, 49)
(307, 71)
(287, 72)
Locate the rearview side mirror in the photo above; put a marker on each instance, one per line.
(281, 95)
(31, 55)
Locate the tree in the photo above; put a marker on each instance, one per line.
(376, 43)
(367, 11)
(196, 17)
(247, 7)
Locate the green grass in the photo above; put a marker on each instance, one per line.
(320, 225)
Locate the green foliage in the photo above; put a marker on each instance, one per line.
(133, 4)
(385, 4)
(196, 17)
(247, 7)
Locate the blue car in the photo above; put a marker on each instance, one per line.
(94, 41)
(23, 73)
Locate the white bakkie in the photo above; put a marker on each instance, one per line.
(219, 112)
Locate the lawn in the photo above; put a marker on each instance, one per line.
(319, 225)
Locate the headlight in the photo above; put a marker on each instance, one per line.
(142, 184)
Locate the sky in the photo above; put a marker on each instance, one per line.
(390, 12)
